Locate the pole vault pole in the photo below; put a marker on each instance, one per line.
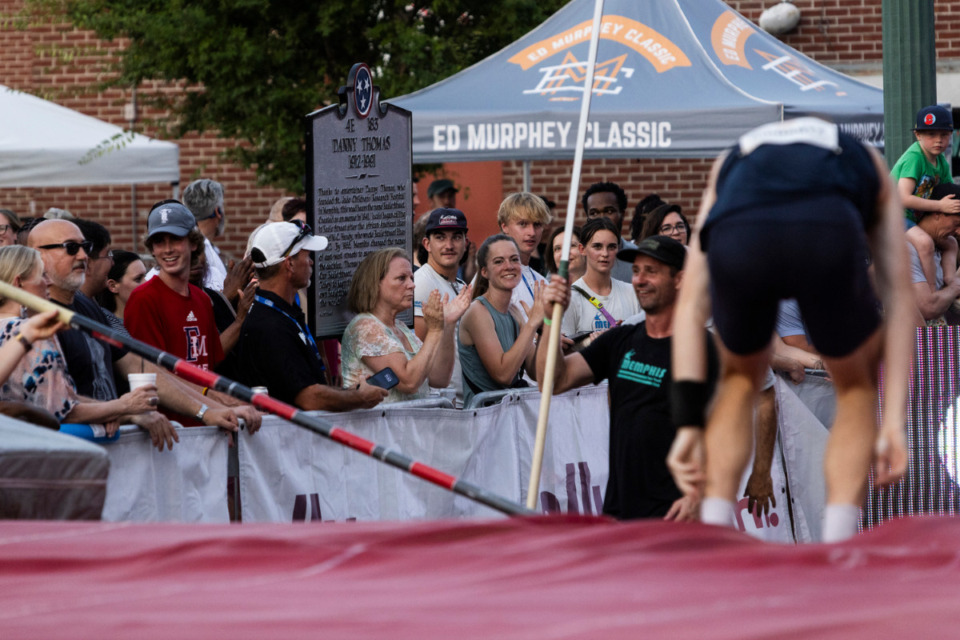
(210, 379)
(535, 465)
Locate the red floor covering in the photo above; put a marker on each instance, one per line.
(541, 578)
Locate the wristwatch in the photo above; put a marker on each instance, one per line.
(202, 412)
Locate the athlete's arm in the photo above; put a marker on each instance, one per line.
(892, 268)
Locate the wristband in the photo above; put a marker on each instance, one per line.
(22, 339)
(202, 412)
(547, 321)
(204, 392)
(688, 401)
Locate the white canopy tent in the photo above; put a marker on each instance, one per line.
(43, 144)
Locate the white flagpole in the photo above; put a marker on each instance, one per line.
(554, 340)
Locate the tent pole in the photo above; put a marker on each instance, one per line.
(133, 187)
(526, 176)
(533, 489)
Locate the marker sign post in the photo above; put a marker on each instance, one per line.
(359, 192)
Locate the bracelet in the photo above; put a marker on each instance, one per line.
(203, 411)
(22, 339)
(688, 402)
(547, 321)
(204, 392)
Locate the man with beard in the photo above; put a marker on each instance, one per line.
(636, 361)
(91, 362)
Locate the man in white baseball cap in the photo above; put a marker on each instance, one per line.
(276, 348)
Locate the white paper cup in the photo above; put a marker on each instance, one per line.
(137, 380)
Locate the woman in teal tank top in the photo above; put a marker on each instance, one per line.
(494, 346)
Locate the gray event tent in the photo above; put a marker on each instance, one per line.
(674, 78)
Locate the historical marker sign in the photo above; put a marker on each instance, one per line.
(359, 164)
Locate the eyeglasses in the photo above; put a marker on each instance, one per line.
(71, 247)
(107, 256)
(670, 229)
(4, 228)
(606, 211)
(305, 231)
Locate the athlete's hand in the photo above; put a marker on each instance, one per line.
(685, 461)
(890, 456)
(685, 509)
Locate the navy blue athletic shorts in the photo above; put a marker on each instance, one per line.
(814, 250)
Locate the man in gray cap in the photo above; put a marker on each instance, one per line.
(167, 311)
(276, 348)
(636, 361)
(204, 198)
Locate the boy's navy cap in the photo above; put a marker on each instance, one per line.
(445, 220)
(662, 248)
(934, 118)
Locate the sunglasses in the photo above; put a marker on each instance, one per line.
(305, 231)
(71, 247)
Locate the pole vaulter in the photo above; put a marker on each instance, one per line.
(210, 379)
(564, 267)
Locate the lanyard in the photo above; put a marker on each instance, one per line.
(524, 278)
(597, 304)
(304, 334)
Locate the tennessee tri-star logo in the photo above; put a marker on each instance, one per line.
(363, 91)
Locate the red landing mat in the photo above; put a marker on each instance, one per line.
(557, 577)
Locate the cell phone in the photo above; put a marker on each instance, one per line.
(580, 337)
(385, 379)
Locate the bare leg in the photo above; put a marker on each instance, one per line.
(850, 446)
(729, 434)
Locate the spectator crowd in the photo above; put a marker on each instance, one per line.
(481, 307)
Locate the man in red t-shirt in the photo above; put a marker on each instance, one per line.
(167, 311)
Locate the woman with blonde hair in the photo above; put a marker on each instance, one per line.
(382, 288)
(39, 376)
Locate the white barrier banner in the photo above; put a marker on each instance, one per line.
(185, 484)
(796, 471)
(289, 474)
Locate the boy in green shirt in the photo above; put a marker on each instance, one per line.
(923, 166)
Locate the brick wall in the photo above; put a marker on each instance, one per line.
(845, 32)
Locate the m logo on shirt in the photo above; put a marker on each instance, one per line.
(640, 372)
(196, 344)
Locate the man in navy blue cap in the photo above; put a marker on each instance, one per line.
(444, 244)
(636, 361)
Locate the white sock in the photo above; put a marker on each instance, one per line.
(840, 522)
(717, 511)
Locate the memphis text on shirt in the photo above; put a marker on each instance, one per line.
(640, 372)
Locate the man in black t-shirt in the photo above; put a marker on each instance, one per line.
(636, 361)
